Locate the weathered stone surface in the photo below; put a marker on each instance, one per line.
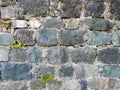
(34, 54)
(95, 24)
(71, 84)
(116, 38)
(26, 36)
(72, 24)
(42, 69)
(52, 23)
(7, 12)
(40, 7)
(71, 37)
(16, 71)
(80, 72)
(19, 23)
(18, 55)
(114, 9)
(34, 23)
(94, 8)
(57, 55)
(36, 84)
(71, 8)
(5, 2)
(66, 71)
(109, 55)
(4, 52)
(111, 71)
(99, 38)
(118, 25)
(83, 85)
(46, 37)
(6, 38)
(85, 54)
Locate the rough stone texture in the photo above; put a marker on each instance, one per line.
(116, 38)
(118, 25)
(19, 23)
(34, 23)
(34, 54)
(66, 71)
(18, 55)
(36, 84)
(70, 37)
(111, 71)
(71, 8)
(16, 71)
(95, 24)
(72, 24)
(6, 38)
(4, 52)
(99, 38)
(85, 54)
(5, 2)
(114, 9)
(42, 69)
(109, 55)
(7, 12)
(26, 36)
(52, 23)
(40, 7)
(83, 85)
(46, 37)
(57, 55)
(94, 8)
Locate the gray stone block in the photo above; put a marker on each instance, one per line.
(18, 55)
(57, 55)
(116, 38)
(46, 37)
(16, 71)
(52, 23)
(4, 52)
(6, 38)
(34, 54)
(83, 85)
(26, 36)
(71, 37)
(111, 71)
(66, 71)
(99, 38)
(109, 55)
(95, 24)
(85, 54)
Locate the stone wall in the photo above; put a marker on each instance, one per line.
(77, 41)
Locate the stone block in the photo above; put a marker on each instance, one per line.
(34, 54)
(18, 55)
(16, 71)
(99, 38)
(46, 37)
(26, 36)
(71, 37)
(34, 23)
(4, 52)
(19, 23)
(6, 38)
(116, 38)
(57, 55)
(83, 85)
(84, 54)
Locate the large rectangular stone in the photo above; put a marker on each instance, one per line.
(4, 52)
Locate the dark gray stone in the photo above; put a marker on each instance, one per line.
(85, 54)
(71, 37)
(4, 52)
(46, 37)
(109, 55)
(18, 55)
(71, 8)
(26, 36)
(6, 38)
(16, 71)
(57, 55)
(99, 38)
(95, 24)
(94, 8)
(66, 71)
(83, 85)
(111, 71)
(39, 7)
(36, 84)
(52, 23)
(42, 69)
(34, 54)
